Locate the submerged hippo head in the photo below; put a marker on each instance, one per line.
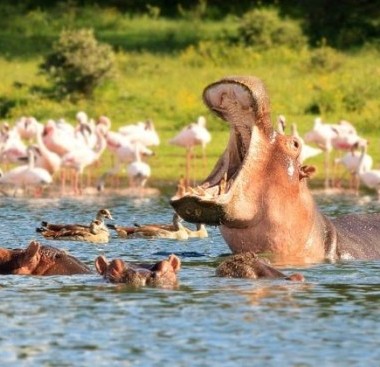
(19, 261)
(248, 265)
(258, 184)
(161, 274)
(37, 259)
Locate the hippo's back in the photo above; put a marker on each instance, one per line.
(358, 236)
(58, 262)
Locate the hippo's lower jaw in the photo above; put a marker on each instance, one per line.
(198, 209)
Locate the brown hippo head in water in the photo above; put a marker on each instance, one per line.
(248, 265)
(257, 193)
(37, 259)
(160, 274)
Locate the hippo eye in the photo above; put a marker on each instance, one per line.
(295, 144)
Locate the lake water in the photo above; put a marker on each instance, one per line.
(333, 319)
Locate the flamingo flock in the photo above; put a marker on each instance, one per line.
(35, 154)
(340, 138)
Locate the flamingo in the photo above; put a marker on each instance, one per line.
(85, 130)
(45, 158)
(27, 127)
(351, 161)
(60, 139)
(190, 136)
(370, 178)
(80, 158)
(124, 152)
(26, 175)
(340, 136)
(138, 171)
(63, 125)
(144, 132)
(12, 148)
(106, 121)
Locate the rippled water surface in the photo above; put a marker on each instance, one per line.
(332, 319)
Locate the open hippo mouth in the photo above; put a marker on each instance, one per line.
(244, 103)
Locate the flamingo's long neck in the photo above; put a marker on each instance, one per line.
(31, 159)
(360, 168)
(137, 153)
(102, 144)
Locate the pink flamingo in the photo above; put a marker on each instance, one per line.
(85, 130)
(144, 132)
(46, 158)
(351, 162)
(123, 151)
(138, 171)
(27, 127)
(26, 175)
(370, 178)
(79, 159)
(340, 136)
(60, 139)
(190, 136)
(12, 148)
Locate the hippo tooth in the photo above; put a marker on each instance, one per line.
(200, 191)
(192, 191)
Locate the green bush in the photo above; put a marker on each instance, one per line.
(197, 12)
(78, 63)
(264, 28)
(324, 102)
(354, 101)
(325, 58)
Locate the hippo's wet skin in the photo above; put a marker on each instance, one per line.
(258, 194)
(248, 265)
(37, 259)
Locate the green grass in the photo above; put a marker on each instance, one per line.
(163, 67)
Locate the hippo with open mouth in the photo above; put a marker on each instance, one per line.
(257, 192)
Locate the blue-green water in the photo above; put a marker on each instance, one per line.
(333, 319)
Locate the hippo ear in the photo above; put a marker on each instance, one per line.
(162, 266)
(101, 265)
(33, 248)
(4, 254)
(175, 262)
(116, 270)
(307, 171)
(117, 265)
